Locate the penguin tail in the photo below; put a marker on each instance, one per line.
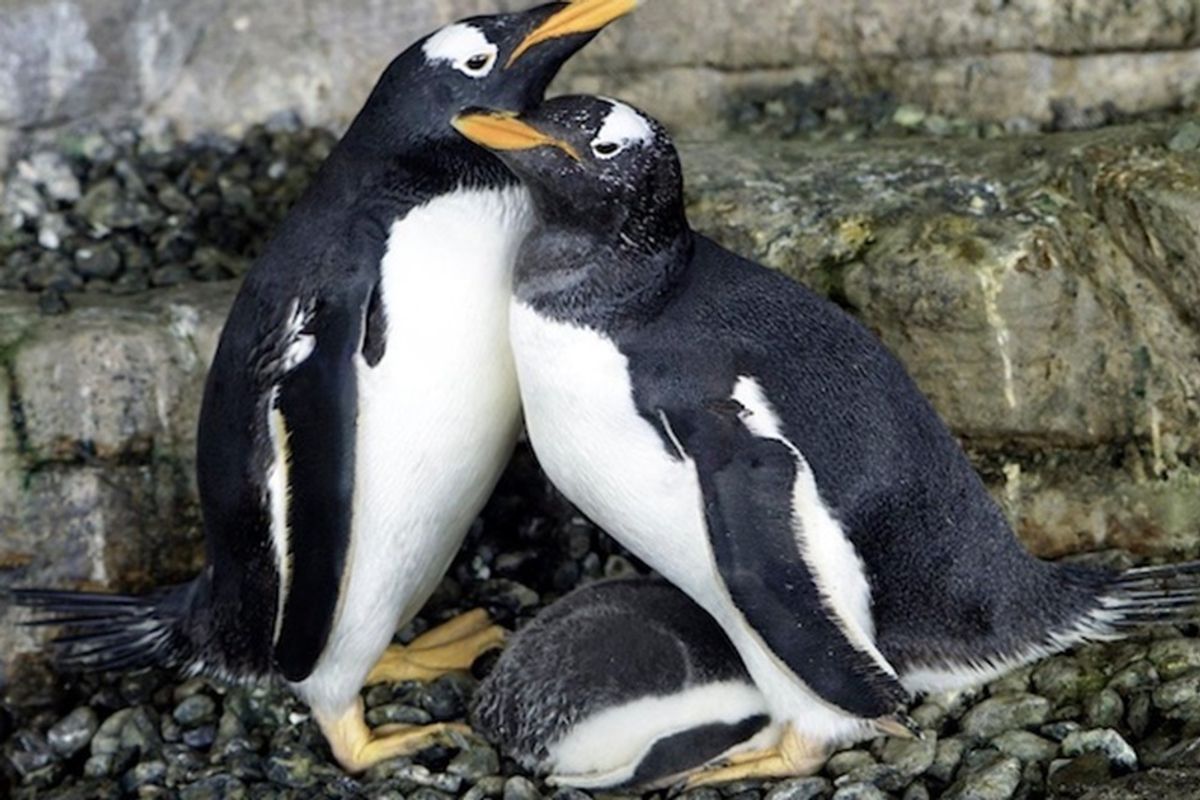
(1160, 595)
(104, 632)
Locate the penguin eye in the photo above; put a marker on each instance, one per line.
(606, 149)
(478, 65)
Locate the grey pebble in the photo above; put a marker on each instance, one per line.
(475, 761)
(860, 791)
(520, 788)
(198, 709)
(291, 767)
(490, 786)
(1106, 741)
(397, 714)
(946, 758)
(1133, 677)
(427, 793)
(997, 781)
(1177, 692)
(144, 773)
(911, 756)
(847, 760)
(1025, 746)
(1006, 712)
(1174, 657)
(73, 732)
(214, 787)
(1059, 679)
(800, 789)
(1104, 709)
(1185, 138)
(885, 776)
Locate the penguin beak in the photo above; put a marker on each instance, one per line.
(503, 131)
(580, 16)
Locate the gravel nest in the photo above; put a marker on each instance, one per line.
(1102, 722)
(128, 210)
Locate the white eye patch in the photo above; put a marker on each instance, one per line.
(622, 128)
(465, 47)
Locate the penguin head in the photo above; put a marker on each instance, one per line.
(501, 61)
(591, 162)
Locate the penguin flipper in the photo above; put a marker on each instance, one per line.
(314, 417)
(747, 482)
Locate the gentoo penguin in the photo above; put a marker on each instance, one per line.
(362, 400)
(621, 684)
(764, 452)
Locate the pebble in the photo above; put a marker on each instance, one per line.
(841, 763)
(1134, 677)
(196, 710)
(491, 786)
(860, 791)
(1059, 678)
(1185, 138)
(1025, 746)
(911, 756)
(946, 758)
(1105, 741)
(1105, 709)
(909, 116)
(1177, 692)
(800, 789)
(1174, 658)
(519, 787)
(1005, 712)
(997, 781)
(475, 761)
(215, 787)
(73, 732)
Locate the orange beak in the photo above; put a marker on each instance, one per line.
(581, 16)
(504, 131)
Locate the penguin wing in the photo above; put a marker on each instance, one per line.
(748, 483)
(314, 409)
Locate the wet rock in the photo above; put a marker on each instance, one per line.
(1107, 742)
(910, 756)
(1006, 712)
(1177, 692)
(845, 761)
(996, 781)
(215, 787)
(946, 758)
(195, 710)
(291, 767)
(475, 761)
(520, 788)
(859, 791)
(1174, 658)
(800, 789)
(1071, 778)
(1025, 746)
(73, 732)
(1105, 709)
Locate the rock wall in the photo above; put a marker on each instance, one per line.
(225, 63)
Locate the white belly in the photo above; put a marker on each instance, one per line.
(611, 463)
(438, 417)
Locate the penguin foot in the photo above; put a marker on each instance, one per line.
(792, 756)
(356, 747)
(450, 647)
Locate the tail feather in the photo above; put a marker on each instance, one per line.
(110, 632)
(1168, 594)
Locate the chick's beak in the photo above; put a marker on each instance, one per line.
(503, 131)
(580, 16)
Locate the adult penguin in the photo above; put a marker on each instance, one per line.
(763, 451)
(361, 403)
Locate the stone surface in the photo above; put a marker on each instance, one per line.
(210, 63)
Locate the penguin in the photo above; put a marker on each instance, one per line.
(621, 684)
(361, 403)
(764, 452)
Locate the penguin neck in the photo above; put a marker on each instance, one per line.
(387, 166)
(606, 283)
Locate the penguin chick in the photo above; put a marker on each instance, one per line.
(361, 403)
(651, 361)
(621, 684)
